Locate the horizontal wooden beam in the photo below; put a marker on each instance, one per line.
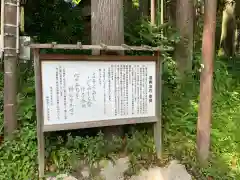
(72, 57)
(79, 46)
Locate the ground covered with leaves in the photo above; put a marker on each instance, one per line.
(18, 157)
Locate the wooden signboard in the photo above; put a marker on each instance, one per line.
(78, 91)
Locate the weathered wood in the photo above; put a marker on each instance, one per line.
(122, 47)
(205, 104)
(10, 69)
(39, 108)
(158, 124)
(100, 123)
(65, 57)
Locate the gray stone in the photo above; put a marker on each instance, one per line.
(115, 171)
(174, 171)
(85, 172)
(62, 177)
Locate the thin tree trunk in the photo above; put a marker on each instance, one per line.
(184, 23)
(171, 8)
(153, 12)
(10, 67)
(205, 104)
(144, 8)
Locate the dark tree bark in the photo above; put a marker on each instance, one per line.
(184, 24)
(144, 8)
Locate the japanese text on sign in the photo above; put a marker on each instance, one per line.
(81, 91)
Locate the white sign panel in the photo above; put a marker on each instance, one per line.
(83, 91)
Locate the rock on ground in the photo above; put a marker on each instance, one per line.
(62, 177)
(110, 171)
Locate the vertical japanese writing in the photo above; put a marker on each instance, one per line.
(91, 90)
(60, 81)
(124, 102)
(64, 93)
(138, 88)
(71, 97)
(57, 93)
(145, 90)
(118, 90)
(150, 88)
(133, 88)
(100, 76)
(126, 82)
(94, 87)
(115, 91)
(105, 91)
(51, 95)
(77, 85)
(109, 84)
(48, 108)
(141, 90)
(83, 100)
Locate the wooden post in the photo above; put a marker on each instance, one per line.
(158, 125)
(39, 113)
(205, 104)
(108, 29)
(10, 67)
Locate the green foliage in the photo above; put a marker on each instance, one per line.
(180, 116)
(1, 104)
(18, 157)
(54, 21)
(66, 151)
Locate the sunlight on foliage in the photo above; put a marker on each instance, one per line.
(68, 152)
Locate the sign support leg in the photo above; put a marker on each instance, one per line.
(158, 124)
(40, 133)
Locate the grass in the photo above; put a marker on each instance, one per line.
(181, 118)
(65, 151)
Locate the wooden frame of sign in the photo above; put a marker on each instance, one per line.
(47, 120)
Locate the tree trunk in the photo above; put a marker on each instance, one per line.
(144, 8)
(153, 12)
(171, 11)
(228, 29)
(184, 23)
(108, 28)
(107, 22)
(10, 67)
(205, 104)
